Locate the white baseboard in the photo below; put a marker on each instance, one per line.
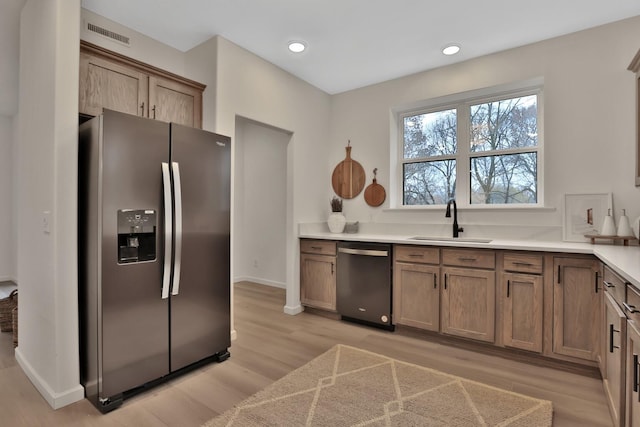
(297, 309)
(260, 281)
(55, 400)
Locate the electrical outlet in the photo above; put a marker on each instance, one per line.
(255, 263)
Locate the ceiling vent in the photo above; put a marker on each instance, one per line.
(108, 33)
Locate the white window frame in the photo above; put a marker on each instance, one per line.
(462, 103)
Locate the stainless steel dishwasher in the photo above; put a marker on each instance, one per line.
(364, 283)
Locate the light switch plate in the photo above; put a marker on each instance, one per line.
(46, 222)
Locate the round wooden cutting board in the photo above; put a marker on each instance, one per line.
(348, 177)
(374, 194)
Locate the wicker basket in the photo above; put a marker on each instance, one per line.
(6, 306)
(14, 321)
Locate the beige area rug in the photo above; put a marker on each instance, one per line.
(347, 386)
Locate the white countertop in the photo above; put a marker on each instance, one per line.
(625, 260)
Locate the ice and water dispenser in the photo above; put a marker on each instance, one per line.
(136, 235)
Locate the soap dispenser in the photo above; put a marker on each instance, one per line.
(624, 228)
(608, 226)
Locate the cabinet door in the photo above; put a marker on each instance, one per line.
(576, 308)
(105, 84)
(171, 101)
(632, 398)
(614, 354)
(318, 281)
(416, 298)
(522, 311)
(468, 303)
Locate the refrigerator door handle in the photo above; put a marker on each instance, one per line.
(177, 191)
(168, 219)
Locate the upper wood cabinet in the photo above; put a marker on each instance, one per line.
(113, 81)
(635, 67)
(105, 84)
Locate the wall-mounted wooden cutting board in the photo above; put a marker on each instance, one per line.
(348, 177)
(374, 194)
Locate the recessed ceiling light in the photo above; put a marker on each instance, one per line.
(297, 47)
(451, 49)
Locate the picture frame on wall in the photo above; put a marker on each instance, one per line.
(584, 214)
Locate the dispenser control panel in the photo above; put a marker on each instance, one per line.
(136, 235)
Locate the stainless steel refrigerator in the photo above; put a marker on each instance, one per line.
(154, 253)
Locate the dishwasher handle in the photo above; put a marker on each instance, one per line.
(365, 252)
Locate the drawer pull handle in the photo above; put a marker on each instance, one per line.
(608, 284)
(316, 248)
(416, 255)
(596, 281)
(611, 331)
(435, 281)
(523, 264)
(466, 259)
(508, 288)
(630, 308)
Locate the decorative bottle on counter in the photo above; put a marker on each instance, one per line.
(624, 228)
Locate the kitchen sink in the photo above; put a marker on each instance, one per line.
(450, 239)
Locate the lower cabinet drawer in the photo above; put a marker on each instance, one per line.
(523, 263)
(469, 258)
(417, 254)
(319, 247)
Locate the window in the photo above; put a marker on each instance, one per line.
(480, 151)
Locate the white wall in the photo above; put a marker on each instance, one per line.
(7, 241)
(589, 122)
(141, 47)
(250, 87)
(260, 203)
(201, 65)
(47, 181)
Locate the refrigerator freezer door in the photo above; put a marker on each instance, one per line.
(200, 312)
(134, 342)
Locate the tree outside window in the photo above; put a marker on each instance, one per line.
(501, 160)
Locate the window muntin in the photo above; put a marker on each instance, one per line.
(493, 141)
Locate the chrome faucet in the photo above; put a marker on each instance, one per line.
(447, 214)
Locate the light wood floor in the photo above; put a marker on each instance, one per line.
(270, 344)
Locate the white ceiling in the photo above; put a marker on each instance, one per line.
(354, 43)
(351, 43)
